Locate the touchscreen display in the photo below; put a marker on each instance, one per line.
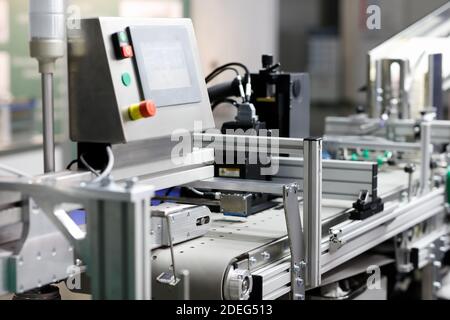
(166, 65)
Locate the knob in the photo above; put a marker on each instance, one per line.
(410, 168)
(267, 61)
(142, 110)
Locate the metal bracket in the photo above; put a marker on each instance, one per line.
(42, 247)
(335, 240)
(117, 246)
(296, 240)
(432, 276)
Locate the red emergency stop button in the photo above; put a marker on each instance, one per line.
(145, 109)
(126, 52)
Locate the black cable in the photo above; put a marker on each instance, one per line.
(214, 75)
(69, 166)
(230, 101)
(228, 65)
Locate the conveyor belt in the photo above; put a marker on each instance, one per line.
(208, 258)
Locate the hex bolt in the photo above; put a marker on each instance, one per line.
(130, 183)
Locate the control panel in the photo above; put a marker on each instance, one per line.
(135, 79)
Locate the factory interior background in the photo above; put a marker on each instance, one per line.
(327, 38)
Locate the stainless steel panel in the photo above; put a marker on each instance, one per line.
(99, 101)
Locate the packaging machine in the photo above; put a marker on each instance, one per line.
(161, 224)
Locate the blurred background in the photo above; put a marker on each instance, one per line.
(327, 38)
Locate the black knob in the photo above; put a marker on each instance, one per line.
(267, 61)
(410, 168)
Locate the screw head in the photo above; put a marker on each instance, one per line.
(130, 183)
(265, 255)
(437, 285)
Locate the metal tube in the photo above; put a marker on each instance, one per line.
(48, 122)
(172, 253)
(427, 149)
(410, 186)
(312, 196)
(184, 289)
(435, 91)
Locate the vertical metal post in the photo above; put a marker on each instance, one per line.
(435, 91)
(48, 122)
(119, 249)
(312, 198)
(426, 149)
(184, 286)
(5, 124)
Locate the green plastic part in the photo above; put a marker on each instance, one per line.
(381, 161)
(366, 154)
(355, 157)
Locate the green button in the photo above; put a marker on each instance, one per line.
(123, 37)
(126, 79)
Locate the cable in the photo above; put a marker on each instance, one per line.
(230, 101)
(233, 64)
(217, 72)
(69, 166)
(109, 168)
(208, 195)
(226, 66)
(84, 162)
(247, 92)
(14, 171)
(199, 193)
